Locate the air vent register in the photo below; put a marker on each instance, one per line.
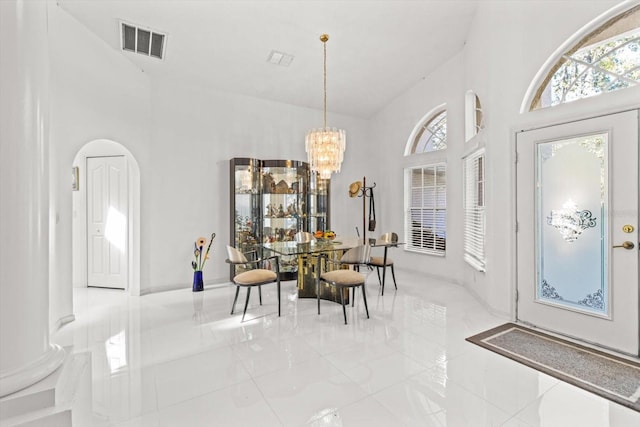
(143, 41)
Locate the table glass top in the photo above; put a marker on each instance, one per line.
(316, 246)
(294, 248)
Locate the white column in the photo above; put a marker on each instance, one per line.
(26, 355)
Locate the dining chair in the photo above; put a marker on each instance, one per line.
(389, 240)
(304, 237)
(254, 277)
(345, 278)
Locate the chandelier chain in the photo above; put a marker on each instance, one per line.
(324, 45)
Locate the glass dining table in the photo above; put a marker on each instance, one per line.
(307, 259)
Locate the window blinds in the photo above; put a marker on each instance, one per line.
(426, 214)
(474, 210)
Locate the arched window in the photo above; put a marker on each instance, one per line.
(432, 135)
(425, 186)
(605, 59)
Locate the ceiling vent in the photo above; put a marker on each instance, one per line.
(142, 40)
(280, 58)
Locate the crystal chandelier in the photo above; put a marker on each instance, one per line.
(325, 146)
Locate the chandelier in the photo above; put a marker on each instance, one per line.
(325, 146)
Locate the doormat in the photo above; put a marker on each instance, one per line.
(606, 375)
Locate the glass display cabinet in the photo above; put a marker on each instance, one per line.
(272, 200)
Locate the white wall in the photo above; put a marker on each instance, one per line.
(507, 44)
(182, 138)
(521, 41)
(95, 94)
(195, 134)
(391, 129)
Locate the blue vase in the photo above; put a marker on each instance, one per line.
(198, 284)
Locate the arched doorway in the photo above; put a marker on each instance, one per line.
(104, 148)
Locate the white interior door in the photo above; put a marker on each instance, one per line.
(107, 222)
(577, 203)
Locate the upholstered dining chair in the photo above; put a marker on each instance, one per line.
(390, 240)
(304, 237)
(345, 278)
(254, 277)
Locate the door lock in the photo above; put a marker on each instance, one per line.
(627, 245)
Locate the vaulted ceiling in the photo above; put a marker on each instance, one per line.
(377, 48)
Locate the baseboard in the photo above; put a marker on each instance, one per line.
(430, 275)
(208, 284)
(462, 283)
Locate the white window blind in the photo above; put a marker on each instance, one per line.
(426, 209)
(474, 211)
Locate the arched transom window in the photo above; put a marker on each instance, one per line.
(606, 59)
(432, 136)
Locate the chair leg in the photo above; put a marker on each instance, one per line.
(233, 307)
(394, 277)
(384, 277)
(364, 297)
(246, 303)
(344, 310)
(278, 297)
(378, 272)
(353, 297)
(318, 293)
(260, 293)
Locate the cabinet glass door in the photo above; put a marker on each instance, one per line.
(245, 206)
(318, 204)
(284, 189)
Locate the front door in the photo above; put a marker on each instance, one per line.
(107, 222)
(577, 221)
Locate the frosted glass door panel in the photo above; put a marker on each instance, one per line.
(571, 223)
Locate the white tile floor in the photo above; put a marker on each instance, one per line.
(179, 359)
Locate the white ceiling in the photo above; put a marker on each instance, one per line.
(377, 49)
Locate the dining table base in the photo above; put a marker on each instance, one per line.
(307, 274)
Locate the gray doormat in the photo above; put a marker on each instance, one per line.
(606, 375)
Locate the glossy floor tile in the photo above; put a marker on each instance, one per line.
(179, 359)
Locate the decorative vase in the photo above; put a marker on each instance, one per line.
(198, 284)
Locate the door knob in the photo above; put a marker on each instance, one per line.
(627, 245)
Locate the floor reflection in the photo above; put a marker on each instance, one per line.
(179, 359)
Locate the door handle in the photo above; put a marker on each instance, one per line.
(627, 245)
